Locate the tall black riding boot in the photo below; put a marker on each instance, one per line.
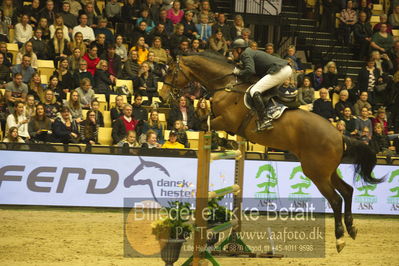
(263, 122)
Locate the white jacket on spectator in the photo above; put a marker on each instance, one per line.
(22, 127)
(88, 33)
(64, 30)
(23, 35)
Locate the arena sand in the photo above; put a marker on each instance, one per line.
(93, 236)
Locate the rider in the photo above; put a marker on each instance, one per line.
(272, 70)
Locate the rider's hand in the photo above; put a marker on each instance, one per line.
(236, 71)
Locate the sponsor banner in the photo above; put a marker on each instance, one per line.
(34, 178)
(263, 7)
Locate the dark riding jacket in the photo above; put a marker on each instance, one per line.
(259, 63)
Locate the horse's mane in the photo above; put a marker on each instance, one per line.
(213, 56)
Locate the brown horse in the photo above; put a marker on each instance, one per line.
(317, 144)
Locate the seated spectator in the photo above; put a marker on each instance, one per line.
(59, 93)
(379, 142)
(86, 93)
(172, 142)
(65, 78)
(341, 127)
(100, 43)
(5, 73)
(205, 9)
(81, 74)
(92, 58)
(39, 46)
(7, 56)
(30, 107)
(16, 91)
(316, 78)
(117, 111)
(147, 85)
(159, 31)
(330, 78)
(362, 103)
(12, 136)
(89, 129)
(58, 47)
(190, 30)
(363, 120)
(394, 18)
(175, 14)
(223, 26)
(323, 106)
(27, 49)
(145, 16)
(151, 141)
(154, 125)
(131, 67)
(156, 69)
(92, 12)
(59, 24)
(183, 112)
(139, 112)
(24, 68)
(367, 78)
(70, 13)
(138, 32)
(253, 45)
(362, 33)
(238, 26)
(342, 103)
(48, 11)
(202, 112)
(195, 46)
(306, 92)
(84, 28)
(74, 60)
(65, 129)
(35, 88)
(113, 11)
(51, 107)
(348, 19)
(192, 6)
(350, 86)
(160, 54)
(77, 43)
(182, 138)
(23, 30)
(142, 50)
(44, 26)
(366, 8)
(19, 120)
(218, 43)
(114, 60)
(365, 135)
(120, 48)
(75, 109)
(123, 124)
(350, 122)
(295, 64)
(382, 62)
(382, 40)
(383, 20)
(130, 11)
(381, 118)
(182, 49)
(39, 126)
(95, 107)
(162, 19)
(269, 49)
(32, 11)
(130, 140)
(204, 30)
(103, 80)
(246, 35)
(102, 29)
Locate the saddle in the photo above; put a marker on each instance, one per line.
(276, 101)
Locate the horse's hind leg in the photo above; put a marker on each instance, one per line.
(346, 192)
(335, 200)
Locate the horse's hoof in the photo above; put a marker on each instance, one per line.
(353, 232)
(340, 244)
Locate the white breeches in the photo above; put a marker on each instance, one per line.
(270, 81)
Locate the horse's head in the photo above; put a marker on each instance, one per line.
(177, 77)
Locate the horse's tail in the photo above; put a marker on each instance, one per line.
(364, 159)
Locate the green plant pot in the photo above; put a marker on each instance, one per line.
(171, 250)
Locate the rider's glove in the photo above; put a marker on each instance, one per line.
(236, 71)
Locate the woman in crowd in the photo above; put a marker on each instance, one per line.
(306, 92)
(95, 107)
(89, 129)
(142, 50)
(190, 31)
(350, 122)
(77, 43)
(184, 112)
(202, 112)
(151, 141)
(156, 69)
(58, 46)
(23, 31)
(65, 78)
(218, 43)
(74, 60)
(382, 62)
(130, 140)
(27, 48)
(195, 46)
(175, 14)
(59, 24)
(341, 127)
(43, 25)
(154, 125)
(103, 80)
(19, 120)
(12, 136)
(51, 107)
(330, 78)
(74, 107)
(367, 78)
(381, 118)
(30, 107)
(342, 103)
(352, 89)
(120, 48)
(379, 142)
(238, 26)
(59, 93)
(92, 58)
(39, 126)
(382, 40)
(363, 120)
(35, 88)
(145, 16)
(64, 128)
(147, 85)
